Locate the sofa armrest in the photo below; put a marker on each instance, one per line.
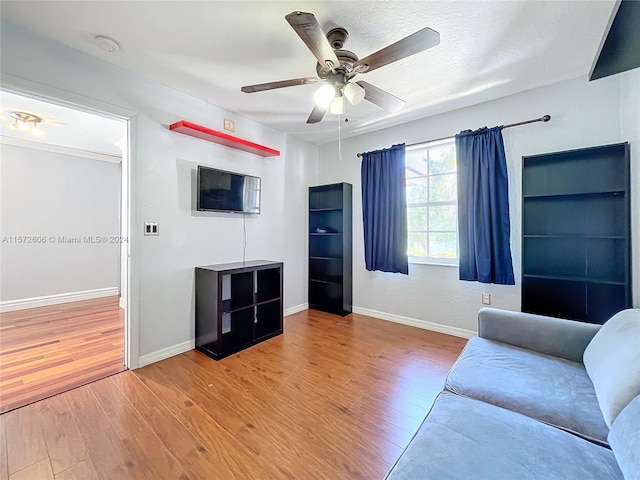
(552, 336)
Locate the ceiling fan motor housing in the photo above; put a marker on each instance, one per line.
(337, 37)
(346, 58)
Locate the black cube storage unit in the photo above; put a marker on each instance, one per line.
(330, 248)
(576, 246)
(237, 305)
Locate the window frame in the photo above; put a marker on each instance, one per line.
(428, 260)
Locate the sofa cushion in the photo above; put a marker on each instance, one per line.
(556, 391)
(625, 440)
(612, 360)
(464, 438)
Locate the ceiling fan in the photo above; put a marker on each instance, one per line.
(337, 67)
(28, 122)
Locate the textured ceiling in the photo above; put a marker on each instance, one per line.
(488, 49)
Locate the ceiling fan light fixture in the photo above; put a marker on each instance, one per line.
(324, 95)
(337, 105)
(25, 122)
(354, 93)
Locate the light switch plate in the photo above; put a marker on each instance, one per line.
(151, 229)
(229, 125)
(486, 298)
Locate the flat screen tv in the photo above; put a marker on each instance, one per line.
(221, 191)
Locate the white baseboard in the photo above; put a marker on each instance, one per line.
(48, 300)
(179, 348)
(165, 353)
(296, 309)
(121, 303)
(415, 322)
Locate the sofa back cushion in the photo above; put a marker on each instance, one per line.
(612, 361)
(624, 439)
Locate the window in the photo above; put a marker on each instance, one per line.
(432, 207)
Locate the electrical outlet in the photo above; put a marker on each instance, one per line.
(486, 298)
(151, 229)
(229, 125)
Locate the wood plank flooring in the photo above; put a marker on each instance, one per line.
(331, 398)
(48, 350)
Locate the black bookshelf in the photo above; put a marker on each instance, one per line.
(576, 247)
(330, 248)
(237, 306)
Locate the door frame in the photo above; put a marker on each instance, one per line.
(28, 88)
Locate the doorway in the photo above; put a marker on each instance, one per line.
(64, 272)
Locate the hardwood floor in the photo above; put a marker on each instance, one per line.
(47, 350)
(332, 398)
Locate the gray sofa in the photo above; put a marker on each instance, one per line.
(535, 397)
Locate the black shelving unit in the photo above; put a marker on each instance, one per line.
(576, 254)
(330, 248)
(237, 305)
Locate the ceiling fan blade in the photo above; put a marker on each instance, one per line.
(381, 98)
(317, 114)
(281, 84)
(414, 43)
(308, 29)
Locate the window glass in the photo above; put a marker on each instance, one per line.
(432, 208)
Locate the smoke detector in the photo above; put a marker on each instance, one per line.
(107, 44)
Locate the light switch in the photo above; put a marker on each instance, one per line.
(151, 229)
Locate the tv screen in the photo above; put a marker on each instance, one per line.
(220, 191)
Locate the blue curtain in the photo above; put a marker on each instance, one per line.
(384, 210)
(483, 207)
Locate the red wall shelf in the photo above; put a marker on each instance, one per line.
(222, 138)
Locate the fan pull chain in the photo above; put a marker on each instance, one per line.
(339, 138)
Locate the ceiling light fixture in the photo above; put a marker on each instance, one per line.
(337, 104)
(354, 93)
(324, 95)
(25, 122)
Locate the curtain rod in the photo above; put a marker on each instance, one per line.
(544, 118)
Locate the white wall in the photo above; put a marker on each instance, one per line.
(582, 113)
(52, 195)
(162, 177)
(630, 129)
(163, 163)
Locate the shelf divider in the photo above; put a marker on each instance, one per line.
(574, 278)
